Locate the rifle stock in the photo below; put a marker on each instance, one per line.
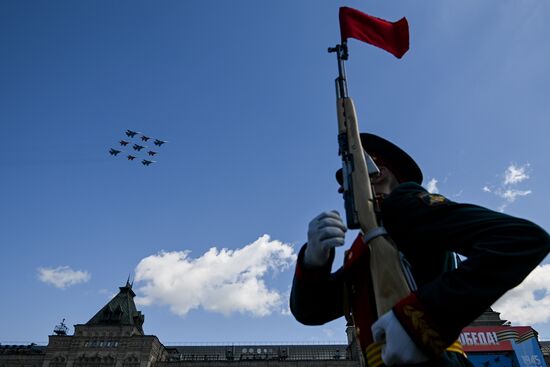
(389, 282)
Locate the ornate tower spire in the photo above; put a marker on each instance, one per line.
(120, 311)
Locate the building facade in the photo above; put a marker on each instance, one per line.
(491, 342)
(114, 337)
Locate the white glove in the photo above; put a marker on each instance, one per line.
(325, 231)
(399, 349)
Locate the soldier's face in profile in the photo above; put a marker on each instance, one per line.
(383, 183)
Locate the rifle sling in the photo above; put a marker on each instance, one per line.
(373, 233)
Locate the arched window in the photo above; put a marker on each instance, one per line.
(80, 361)
(58, 361)
(131, 361)
(108, 361)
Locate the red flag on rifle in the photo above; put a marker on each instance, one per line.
(390, 36)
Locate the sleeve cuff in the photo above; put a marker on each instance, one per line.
(416, 320)
(306, 273)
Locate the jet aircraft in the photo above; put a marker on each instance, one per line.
(146, 162)
(131, 133)
(131, 157)
(114, 151)
(123, 143)
(159, 142)
(138, 147)
(151, 153)
(145, 138)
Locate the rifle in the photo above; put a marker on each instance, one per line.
(389, 281)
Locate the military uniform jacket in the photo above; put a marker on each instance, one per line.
(500, 252)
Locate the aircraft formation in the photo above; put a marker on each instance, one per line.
(133, 144)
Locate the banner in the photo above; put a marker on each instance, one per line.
(508, 343)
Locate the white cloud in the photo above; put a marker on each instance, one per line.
(515, 174)
(432, 186)
(63, 276)
(529, 302)
(285, 306)
(223, 281)
(511, 195)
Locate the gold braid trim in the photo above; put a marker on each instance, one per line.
(374, 355)
(429, 337)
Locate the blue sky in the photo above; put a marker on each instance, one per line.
(244, 93)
